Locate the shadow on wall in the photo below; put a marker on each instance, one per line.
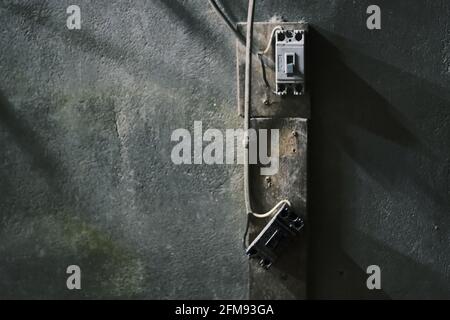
(66, 189)
(26, 138)
(129, 55)
(35, 14)
(341, 102)
(43, 232)
(398, 280)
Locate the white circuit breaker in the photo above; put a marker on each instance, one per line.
(290, 62)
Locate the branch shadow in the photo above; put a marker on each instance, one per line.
(351, 102)
(27, 139)
(343, 103)
(31, 12)
(83, 39)
(401, 276)
(196, 27)
(227, 8)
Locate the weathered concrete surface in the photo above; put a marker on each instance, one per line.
(86, 175)
(85, 171)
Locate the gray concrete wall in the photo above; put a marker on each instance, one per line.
(85, 170)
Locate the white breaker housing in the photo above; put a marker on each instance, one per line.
(290, 62)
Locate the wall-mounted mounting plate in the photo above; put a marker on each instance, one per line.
(290, 182)
(286, 279)
(264, 102)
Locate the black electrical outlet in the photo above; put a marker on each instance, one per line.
(282, 227)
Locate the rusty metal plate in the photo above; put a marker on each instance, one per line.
(264, 103)
(286, 279)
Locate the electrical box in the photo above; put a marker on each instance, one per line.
(290, 62)
(283, 226)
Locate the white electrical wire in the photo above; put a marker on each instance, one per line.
(271, 211)
(248, 61)
(261, 53)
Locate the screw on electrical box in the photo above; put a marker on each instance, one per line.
(269, 182)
